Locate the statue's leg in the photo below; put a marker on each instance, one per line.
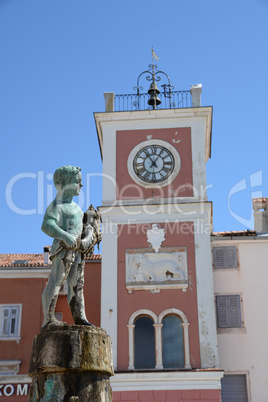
(61, 265)
(76, 291)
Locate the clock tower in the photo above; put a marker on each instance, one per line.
(157, 297)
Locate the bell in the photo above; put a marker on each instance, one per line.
(153, 92)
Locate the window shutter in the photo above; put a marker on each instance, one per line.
(229, 311)
(234, 388)
(225, 257)
(218, 257)
(234, 311)
(231, 257)
(222, 311)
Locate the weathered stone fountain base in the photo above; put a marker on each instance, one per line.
(71, 363)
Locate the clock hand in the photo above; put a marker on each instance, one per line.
(151, 159)
(162, 150)
(153, 162)
(158, 155)
(149, 156)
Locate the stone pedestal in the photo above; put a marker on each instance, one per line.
(71, 363)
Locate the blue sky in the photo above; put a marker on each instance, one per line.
(59, 56)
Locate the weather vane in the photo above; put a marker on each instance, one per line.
(154, 56)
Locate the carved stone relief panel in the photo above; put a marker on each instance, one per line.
(147, 270)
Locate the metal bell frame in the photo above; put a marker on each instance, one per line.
(154, 75)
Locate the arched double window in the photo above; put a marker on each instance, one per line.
(158, 341)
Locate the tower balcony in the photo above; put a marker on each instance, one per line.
(166, 99)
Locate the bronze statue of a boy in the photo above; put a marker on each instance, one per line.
(75, 234)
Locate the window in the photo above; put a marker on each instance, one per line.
(228, 311)
(157, 342)
(19, 262)
(144, 343)
(234, 388)
(173, 350)
(225, 257)
(10, 317)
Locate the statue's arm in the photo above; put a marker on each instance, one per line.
(88, 239)
(50, 227)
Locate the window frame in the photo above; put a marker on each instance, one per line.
(11, 337)
(158, 336)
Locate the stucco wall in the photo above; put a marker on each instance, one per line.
(243, 350)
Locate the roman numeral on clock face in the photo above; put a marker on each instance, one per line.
(153, 177)
(140, 167)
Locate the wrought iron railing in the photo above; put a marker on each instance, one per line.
(128, 102)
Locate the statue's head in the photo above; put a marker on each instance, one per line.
(66, 176)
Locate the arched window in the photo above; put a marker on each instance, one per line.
(158, 341)
(144, 343)
(172, 342)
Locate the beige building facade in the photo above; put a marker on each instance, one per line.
(240, 272)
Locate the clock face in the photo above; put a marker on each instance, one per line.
(153, 163)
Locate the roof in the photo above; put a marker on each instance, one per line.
(31, 260)
(260, 199)
(94, 257)
(22, 260)
(235, 233)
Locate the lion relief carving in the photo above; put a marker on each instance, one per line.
(161, 267)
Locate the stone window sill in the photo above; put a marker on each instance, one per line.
(241, 330)
(11, 338)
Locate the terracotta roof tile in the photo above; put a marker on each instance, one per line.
(94, 257)
(235, 233)
(22, 260)
(260, 199)
(30, 260)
